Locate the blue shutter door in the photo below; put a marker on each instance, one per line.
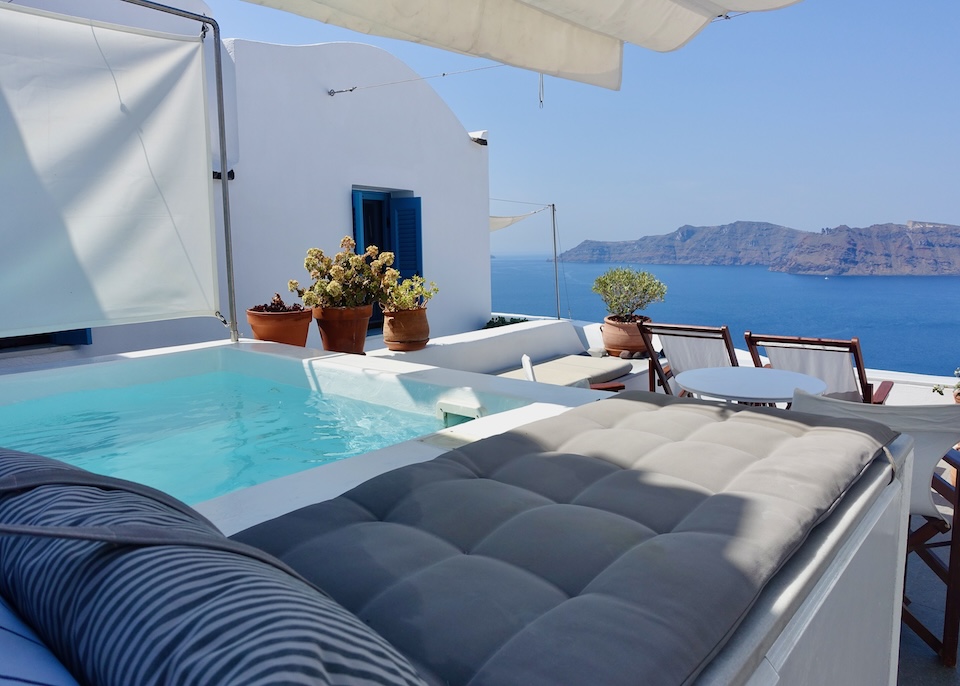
(406, 235)
(358, 220)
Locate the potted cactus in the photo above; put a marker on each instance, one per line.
(404, 305)
(343, 291)
(279, 322)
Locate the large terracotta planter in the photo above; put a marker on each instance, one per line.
(282, 327)
(406, 330)
(622, 336)
(343, 329)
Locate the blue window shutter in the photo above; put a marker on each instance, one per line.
(406, 228)
(358, 220)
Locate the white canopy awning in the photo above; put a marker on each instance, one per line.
(497, 223)
(580, 40)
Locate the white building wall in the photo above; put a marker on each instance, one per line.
(300, 154)
(303, 152)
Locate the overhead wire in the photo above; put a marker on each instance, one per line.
(333, 92)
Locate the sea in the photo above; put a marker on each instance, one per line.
(905, 323)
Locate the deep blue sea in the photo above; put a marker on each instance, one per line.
(905, 323)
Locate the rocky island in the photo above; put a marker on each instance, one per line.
(914, 248)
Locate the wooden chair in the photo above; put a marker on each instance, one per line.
(686, 347)
(934, 429)
(839, 362)
(921, 543)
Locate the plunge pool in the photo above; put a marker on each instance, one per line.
(210, 420)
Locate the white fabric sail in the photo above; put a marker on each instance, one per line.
(580, 40)
(105, 176)
(497, 223)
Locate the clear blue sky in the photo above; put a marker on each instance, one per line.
(825, 113)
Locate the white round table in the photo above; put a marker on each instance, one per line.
(749, 384)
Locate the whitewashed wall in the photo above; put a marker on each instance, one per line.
(303, 151)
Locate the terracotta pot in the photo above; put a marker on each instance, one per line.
(622, 336)
(343, 329)
(406, 330)
(956, 395)
(282, 327)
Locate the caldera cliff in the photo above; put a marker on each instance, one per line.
(914, 248)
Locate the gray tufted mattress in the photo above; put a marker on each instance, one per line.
(621, 542)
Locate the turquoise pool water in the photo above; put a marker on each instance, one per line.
(206, 435)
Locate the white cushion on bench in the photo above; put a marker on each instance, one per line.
(575, 370)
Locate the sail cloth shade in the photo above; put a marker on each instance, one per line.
(105, 180)
(497, 223)
(581, 40)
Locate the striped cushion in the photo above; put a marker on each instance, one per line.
(170, 614)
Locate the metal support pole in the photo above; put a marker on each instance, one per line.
(224, 185)
(222, 130)
(556, 269)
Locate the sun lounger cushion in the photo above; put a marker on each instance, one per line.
(24, 659)
(618, 543)
(192, 609)
(572, 370)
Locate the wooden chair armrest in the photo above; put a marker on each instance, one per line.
(607, 386)
(952, 458)
(881, 392)
(944, 486)
(654, 381)
(946, 489)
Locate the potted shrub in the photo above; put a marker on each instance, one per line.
(343, 291)
(404, 305)
(625, 292)
(939, 388)
(279, 322)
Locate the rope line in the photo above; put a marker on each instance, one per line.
(333, 92)
(522, 202)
